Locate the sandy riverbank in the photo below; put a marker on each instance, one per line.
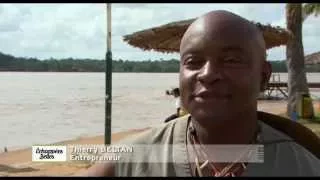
(18, 162)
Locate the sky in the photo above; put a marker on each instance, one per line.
(78, 30)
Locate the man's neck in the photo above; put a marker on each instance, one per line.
(237, 129)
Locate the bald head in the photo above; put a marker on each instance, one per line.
(223, 66)
(214, 23)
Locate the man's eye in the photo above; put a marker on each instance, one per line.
(231, 60)
(192, 63)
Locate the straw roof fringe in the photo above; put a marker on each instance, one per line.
(166, 38)
(312, 59)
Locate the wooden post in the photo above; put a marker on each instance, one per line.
(108, 73)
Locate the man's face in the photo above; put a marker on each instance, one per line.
(221, 73)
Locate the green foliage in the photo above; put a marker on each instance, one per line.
(279, 66)
(311, 9)
(11, 63)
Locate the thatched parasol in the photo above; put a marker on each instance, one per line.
(166, 38)
(312, 59)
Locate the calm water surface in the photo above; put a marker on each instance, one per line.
(50, 107)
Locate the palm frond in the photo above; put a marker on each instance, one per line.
(311, 9)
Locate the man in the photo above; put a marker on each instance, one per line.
(180, 111)
(223, 68)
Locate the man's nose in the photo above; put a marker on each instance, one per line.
(209, 73)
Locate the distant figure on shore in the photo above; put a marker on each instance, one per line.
(179, 110)
(5, 149)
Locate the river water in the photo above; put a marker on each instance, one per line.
(50, 107)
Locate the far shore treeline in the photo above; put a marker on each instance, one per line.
(11, 63)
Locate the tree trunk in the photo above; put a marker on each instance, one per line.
(297, 81)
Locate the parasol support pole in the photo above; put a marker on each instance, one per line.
(108, 73)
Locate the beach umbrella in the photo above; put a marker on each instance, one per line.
(108, 73)
(166, 38)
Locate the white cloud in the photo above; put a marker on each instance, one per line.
(78, 30)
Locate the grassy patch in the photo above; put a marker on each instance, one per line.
(283, 115)
(313, 124)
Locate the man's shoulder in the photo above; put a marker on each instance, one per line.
(285, 158)
(302, 153)
(161, 133)
(293, 154)
(146, 150)
(283, 151)
(271, 135)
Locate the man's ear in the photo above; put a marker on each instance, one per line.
(265, 75)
